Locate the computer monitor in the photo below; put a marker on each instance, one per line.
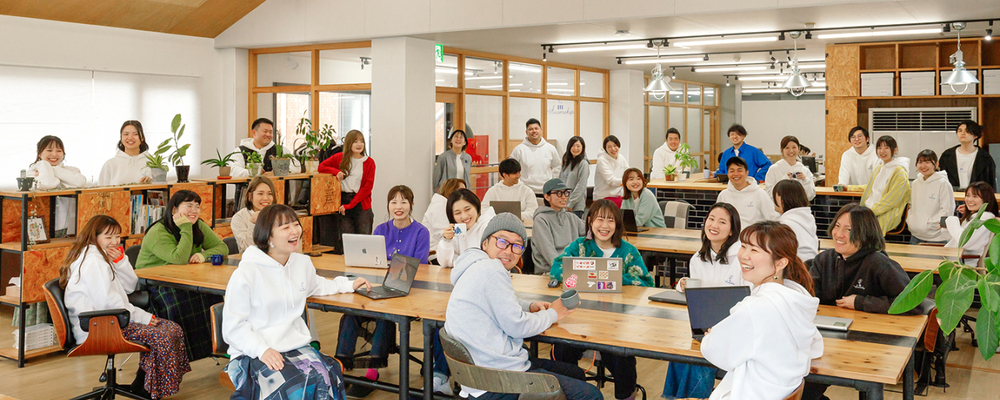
(810, 162)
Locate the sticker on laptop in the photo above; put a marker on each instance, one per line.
(570, 282)
(604, 275)
(378, 261)
(605, 286)
(613, 265)
(586, 265)
(590, 284)
(592, 275)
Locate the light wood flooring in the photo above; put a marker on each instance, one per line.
(57, 377)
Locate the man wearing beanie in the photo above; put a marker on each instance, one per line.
(555, 228)
(486, 316)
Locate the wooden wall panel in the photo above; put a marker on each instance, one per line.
(12, 216)
(279, 191)
(44, 266)
(843, 76)
(223, 230)
(206, 194)
(841, 116)
(132, 242)
(324, 194)
(307, 233)
(115, 204)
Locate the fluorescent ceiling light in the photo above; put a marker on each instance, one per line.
(664, 60)
(737, 40)
(815, 89)
(478, 78)
(772, 90)
(732, 69)
(525, 68)
(812, 66)
(762, 78)
(601, 48)
(561, 90)
(558, 84)
(872, 33)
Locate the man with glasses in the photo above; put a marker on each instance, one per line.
(858, 162)
(486, 316)
(554, 227)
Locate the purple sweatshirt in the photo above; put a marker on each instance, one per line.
(413, 241)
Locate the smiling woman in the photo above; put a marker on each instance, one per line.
(129, 163)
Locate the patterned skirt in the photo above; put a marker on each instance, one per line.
(307, 374)
(190, 310)
(166, 362)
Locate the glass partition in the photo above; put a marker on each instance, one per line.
(521, 109)
(446, 73)
(284, 69)
(559, 121)
(484, 123)
(526, 78)
(591, 84)
(483, 73)
(343, 66)
(561, 81)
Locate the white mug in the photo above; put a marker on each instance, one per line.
(707, 173)
(693, 283)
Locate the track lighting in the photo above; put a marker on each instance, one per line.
(673, 73)
(727, 81)
(544, 58)
(781, 36)
(809, 35)
(989, 33)
(706, 57)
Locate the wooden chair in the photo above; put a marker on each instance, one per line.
(898, 230)
(530, 385)
(797, 394)
(104, 337)
(219, 346)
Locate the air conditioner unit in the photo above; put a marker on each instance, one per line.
(916, 129)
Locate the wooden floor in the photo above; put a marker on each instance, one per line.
(58, 377)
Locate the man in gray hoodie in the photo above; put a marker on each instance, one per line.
(555, 228)
(486, 316)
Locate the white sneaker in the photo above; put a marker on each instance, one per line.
(442, 386)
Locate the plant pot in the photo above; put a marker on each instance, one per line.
(280, 166)
(668, 178)
(182, 172)
(158, 175)
(254, 169)
(224, 171)
(312, 166)
(24, 184)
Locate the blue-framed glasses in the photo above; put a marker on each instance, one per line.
(503, 244)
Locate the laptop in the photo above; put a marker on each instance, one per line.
(708, 306)
(397, 281)
(670, 296)
(810, 162)
(628, 217)
(832, 323)
(513, 207)
(366, 251)
(592, 274)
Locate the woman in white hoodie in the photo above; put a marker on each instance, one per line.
(888, 190)
(789, 167)
(767, 342)
(610, 167)
(790, 201)
(931, 198)
(262, 316)
(467, 219)
(436, 216)
(97, 276)
(716, 264)
(745, 194)
(259, 194)
(977, 196)
(50, 173)
(129, 163)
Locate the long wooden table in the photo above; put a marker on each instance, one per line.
(876, 351)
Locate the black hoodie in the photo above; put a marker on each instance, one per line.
(869, 274)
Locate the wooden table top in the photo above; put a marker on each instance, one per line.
(701, 184)
(876, 349)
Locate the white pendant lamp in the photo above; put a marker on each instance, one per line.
(659, 85)
(796, 83)
(960, 77)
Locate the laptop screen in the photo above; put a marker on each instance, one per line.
(402, 270)
(709, 305)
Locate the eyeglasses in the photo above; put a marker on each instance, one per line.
(560, 193)
(503, 244)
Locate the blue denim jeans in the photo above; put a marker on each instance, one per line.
(685, 380)
(570, 380)
(382, 341)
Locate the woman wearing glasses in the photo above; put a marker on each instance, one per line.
(555, 226)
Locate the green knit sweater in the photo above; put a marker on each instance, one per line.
(160, 248)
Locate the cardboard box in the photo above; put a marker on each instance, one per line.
(917, 83)
(877, 84)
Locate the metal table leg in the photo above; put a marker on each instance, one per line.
(404, 358)
(428, 359)
(908, 385)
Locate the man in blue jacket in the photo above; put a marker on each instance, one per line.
(757, 162)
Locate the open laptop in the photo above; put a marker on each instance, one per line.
(628, 217)
(513, 207)
(366, 251)
(397, 281)
(592, 274)
(832, 323)
(669, 296)
(810, 162)
(708, 306)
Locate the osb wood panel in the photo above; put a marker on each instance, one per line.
(841, 116)
(133, 242)
(115, 204)
(12, 216)
(217, 199)
(307, 233)
(207, 198)
(223, 231)
(324, 196)
(40, 266)
(843, 74)
(279, 191)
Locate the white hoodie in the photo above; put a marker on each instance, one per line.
(779, 171)
(714, 273)
(59, 176)
(803, 223)
(123, 169)
(608, 181)
(855, 169)
(539, 163)
(930, 199)
(977, 242)
(662, 157)
(436, 218)
(766, 344)
(239, 166)
(265, 301)
(518, 192)
(753, 203)
(447, 250)
(91, 287)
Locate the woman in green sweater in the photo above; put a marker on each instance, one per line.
(182, 238)
(641, 200)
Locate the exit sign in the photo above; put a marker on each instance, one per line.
(439, 52)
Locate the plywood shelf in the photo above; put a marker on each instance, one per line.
(10, 300)
(11, 352)
(16, 246)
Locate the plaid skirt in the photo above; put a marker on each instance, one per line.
(166, 362)
(307, 374)
(190, 310)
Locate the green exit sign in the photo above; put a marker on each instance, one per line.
(439, 52)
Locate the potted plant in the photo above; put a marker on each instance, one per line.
(314, 144)
(280, 162)
(253, 163)
(157, 165)
(687, 162)
(177, 156)
(669, 171)
(222, 162)
(959, 282)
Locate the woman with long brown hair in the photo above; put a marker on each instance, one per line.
(97, 276)
(767, 341)
(640, 200)
(356, 173)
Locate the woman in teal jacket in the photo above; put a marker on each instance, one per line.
(641, 200)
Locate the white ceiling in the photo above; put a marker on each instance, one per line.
(525, 42)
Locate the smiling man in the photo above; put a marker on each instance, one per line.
(858, 162)
(539, 159)
(743, 192)
(666, 154)
(261, 143)
(757, 162)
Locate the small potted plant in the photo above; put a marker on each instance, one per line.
(314, 144)
(687, 162)
(280, 162)
(157, 165)
(177, 156)
(222, 162)
(253, 163)
(669, 171)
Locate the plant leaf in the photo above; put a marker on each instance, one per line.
(181, 132)
(161, 150)
(946, 269)
(994, 249)
(914, 293)
(165, 143)
(954, 297)
(987, 335)
(175, 123)
(989, 297)
(993, 225)
(974, 223)
(991, 266)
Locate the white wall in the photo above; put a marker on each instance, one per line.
(628, 114)
(767, 121)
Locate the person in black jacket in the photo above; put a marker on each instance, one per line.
(956, 160)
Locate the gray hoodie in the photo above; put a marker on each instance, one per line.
(486, 316)
(576, 179)
(552, 232)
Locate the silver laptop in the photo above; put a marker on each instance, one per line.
(513, 207)
(832, 323)
(592, 274)
(366, 251)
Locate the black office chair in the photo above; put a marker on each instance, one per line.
(230, 242)
(105, 337)
(132, 252)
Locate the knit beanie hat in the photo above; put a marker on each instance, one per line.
(505, 222)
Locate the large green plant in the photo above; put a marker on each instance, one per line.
(959, 283)
(221, 160)
(155, 160)
(313, 142)
(177, 129)
(686, 159)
